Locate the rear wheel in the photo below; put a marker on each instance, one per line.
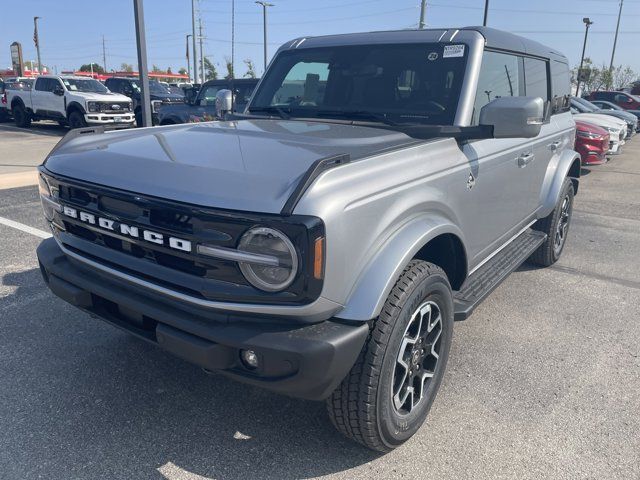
(388, 393)
(556, 226)
(21, 116)
(76, 120)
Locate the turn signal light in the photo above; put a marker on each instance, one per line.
(318, 259)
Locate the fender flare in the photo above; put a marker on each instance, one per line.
(75, 106)
(17, 101)
(381, 273)
(567, 164)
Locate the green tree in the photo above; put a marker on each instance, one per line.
(229, 66)
(126, 67)
(182, 71)
(210, 71)
(251, 71)
(156, 69)
(87, 68)
(169, 70)
(623, 77)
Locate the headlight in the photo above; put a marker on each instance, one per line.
(280, 264)
(93, 106)
(155, 105)
(589, 135)
(48, 198)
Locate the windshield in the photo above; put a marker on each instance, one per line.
(84, 85)
(583, 105)
(405, 83)
(154, 87)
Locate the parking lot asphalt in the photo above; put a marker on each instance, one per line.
(543, 380)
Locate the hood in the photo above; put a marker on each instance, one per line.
(248, 165)
(101, 97)
(601, 120)
(627, 117)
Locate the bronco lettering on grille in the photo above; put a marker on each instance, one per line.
(128, 230)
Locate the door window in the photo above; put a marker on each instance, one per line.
(42, 85)
(536, 78)
(500, 76)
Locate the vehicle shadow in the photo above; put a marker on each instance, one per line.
(38, 128)
(86, 400)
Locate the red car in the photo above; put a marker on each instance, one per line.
(622, 99)
(592, 143)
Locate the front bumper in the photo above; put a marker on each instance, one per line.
(301, 360)
(109, 119)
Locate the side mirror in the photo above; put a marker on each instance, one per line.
(58, 90)
(224, 102)
(128, 91)
(514, 117)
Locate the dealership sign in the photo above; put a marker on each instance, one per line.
(16, 59)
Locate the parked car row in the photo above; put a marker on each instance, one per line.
(602, 127)
(79, 101)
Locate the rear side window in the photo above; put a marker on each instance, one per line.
(536, 78)
(500, 76)
(560, 87)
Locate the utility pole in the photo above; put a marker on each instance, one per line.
(143, 73)
(423, 7)
(615, 41)
(193, 39)
(233, 41)
(486, 13)
(36, 40)
(587, 23)
(264, 27)
(202, 75)
(188, 60)
(104, 56)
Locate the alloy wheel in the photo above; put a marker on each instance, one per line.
(417, 358)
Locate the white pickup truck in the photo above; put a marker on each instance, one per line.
(70, 100)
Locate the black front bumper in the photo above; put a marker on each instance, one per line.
(306, 361)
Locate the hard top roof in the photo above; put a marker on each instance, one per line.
(493, 38)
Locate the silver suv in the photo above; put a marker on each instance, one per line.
(377, 187)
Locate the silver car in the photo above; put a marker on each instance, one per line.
(377, 187)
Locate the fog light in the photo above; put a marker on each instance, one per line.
(249, 358)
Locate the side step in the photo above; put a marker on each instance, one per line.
(484, 280)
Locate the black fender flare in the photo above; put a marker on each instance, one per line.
(75, 106)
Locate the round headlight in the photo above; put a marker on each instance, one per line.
(276, 262)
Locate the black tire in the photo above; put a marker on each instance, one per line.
(21, 116)
(363, 407)
(4, 116)
(556, 226)
(76, 120)
(138, 114)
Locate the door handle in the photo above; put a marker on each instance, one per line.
(525, 159)
(554, 146)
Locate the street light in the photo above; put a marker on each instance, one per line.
(188, 59)
(264, 26)
(587, 23)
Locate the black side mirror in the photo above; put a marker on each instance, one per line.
(58, 90)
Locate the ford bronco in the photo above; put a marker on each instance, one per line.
(377, 187)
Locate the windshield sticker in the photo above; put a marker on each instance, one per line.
(451, 51)
(432, 56)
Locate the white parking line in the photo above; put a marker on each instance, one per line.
(25, 228)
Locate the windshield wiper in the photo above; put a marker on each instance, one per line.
(285, 115)
(356, 115)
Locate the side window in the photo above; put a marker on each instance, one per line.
(500, 76)
(42, 84)
(53, 84)
(209, 94)
(536, 78)
(560, 87)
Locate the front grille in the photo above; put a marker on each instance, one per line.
(185, 271)
(107, 107)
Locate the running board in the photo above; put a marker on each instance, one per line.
(487, 278)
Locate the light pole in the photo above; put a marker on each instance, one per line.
(188, 59)
(193, 39)
(264, 27)
(587, 23)
(423, 7)
(486, 13)
(36, 40)
(141, 42)
(615, 41)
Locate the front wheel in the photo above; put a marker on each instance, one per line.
(556, 226)
(76, 120)
(388, 393)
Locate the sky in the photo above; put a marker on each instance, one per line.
(71, 31)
